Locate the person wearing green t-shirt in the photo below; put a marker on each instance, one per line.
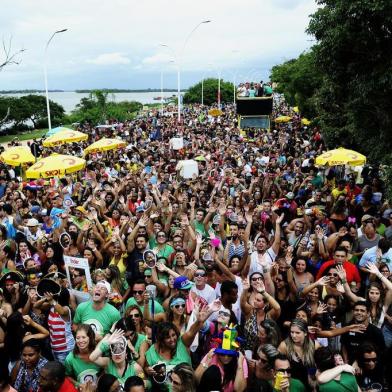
(138, 290)
(77, 364)
(159, 246)
(120, 363)
(333, 374)
(198, 222)
(97, 312)
(172, 349)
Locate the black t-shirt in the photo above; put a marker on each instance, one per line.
(132, 264)
(352, 340)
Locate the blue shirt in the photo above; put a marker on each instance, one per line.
(370, 256)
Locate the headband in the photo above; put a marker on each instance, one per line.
(177, 301)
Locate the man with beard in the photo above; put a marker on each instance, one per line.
(97, 312)
(262, 258)
(135, 258)
(351, 341)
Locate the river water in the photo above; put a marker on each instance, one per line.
(69, 99)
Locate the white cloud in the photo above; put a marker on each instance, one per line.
(115, 43)
(109, 59)
(158, 58)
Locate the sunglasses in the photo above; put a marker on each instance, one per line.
(134, 315)
(200, 274)
(367, 360)
(140, 292)
(178, 306)
(334, 274)
(288, 370)
(256, 279)
(278, 280)
(161, 236)
(222, 313)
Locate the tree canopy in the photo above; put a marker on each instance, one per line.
(97, 108)
(345, 80)
(30, 108)
(210, 92)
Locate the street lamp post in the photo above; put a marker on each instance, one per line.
(46, 76)
(219, 94)
(178, 61)
(161, 91)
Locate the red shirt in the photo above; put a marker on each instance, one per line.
(351, 271)
(66, 386)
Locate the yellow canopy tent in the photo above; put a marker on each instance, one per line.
(64, 137)
(16, 156)
(104, 145)
(282, 119)
(55, 165)
(340, 156)
(215, 112)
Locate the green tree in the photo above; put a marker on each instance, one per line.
(210, 89)
(97, 108)
(30, 107)
(299, 80)
(354, 53)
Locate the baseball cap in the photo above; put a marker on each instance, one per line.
(290, 195)
(182, 283)
(32, 222)
(81, 209)
(106, 285)
(35, 209)
(367, 217)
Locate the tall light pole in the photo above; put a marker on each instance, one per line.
(178, 61)
(46, 76)
(219, 95)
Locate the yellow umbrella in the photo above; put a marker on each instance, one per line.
(282, 119)
(16, 156)
(215, 112)
(305, 121)
(104, 145)
(341, 156)
(55, 165)
(64, 137)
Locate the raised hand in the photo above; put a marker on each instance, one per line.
(321, 308)
(372, 269)
(323, 281)
(245, 284)
(115, 336)
(341, 272)
(279, 220)
(215, 305)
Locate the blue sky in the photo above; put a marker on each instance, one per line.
(116, 43)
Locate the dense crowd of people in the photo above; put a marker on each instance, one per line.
(259, 272)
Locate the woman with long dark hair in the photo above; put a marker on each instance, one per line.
(232, 366)
(120, 363)
(26, 372)
(20, 329)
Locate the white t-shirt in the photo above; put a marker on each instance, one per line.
(208, 293)
(256, 264)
